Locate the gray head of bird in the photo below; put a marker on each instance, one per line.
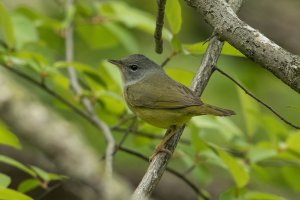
(135, 67)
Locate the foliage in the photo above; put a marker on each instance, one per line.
(257, 149)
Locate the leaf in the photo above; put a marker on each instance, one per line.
(293, 142)
(197, 48)
(28, 185)
(237, 171)
(24, 30)
(257, 154)
(176, 44)
(130, 17)
(9, 194)
(232, 194)
(292, 177)
(231, 51)
(4, 180)
(91, 35)
(8, 138)
(250, 112)
(183, 76)
(173, 14)
(124, 37)
(17, 164)
(251, 195)
(41, 173)
(6, 27)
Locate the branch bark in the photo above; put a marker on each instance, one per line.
(283, 64)
(159, 163)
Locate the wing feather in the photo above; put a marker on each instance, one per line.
(160, 91)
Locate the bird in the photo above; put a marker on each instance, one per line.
(159, 100)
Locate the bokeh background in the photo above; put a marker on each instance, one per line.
(253, 128)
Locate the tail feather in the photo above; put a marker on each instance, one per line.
(207, 109)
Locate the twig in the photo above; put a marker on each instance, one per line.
(159, 163)
(146, 135)
(172, 171)
(174, 53)
(254, 97)
(159, 26)
(75, 86)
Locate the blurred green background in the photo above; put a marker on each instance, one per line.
(258, 142)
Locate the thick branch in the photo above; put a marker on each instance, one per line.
(159, 163)
(249, 41)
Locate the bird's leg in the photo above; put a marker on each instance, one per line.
(161, 146)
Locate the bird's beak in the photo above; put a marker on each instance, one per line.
(119, 63)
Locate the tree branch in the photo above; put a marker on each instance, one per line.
(159, 26)
(159, 163)
(75, 86)
(249, 41)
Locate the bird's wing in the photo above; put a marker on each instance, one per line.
(160, 91)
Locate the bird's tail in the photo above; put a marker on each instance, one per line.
(207, 109)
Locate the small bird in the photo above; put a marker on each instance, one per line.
(158, 99)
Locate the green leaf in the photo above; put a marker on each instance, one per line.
(91, 35)
(8, 138)
(124, 37)
(292, 177)
(173, 14)
(197, 48)
(28, 185)
(9, 194)
(24, 30)
(251, 195)
(237, 171)
(17, 164)
(293, 142)
(183, 76)
(130, 17)
(4, 180)
(258, 153)
(41, 173)
(232, 194)
(176, 44)
(6, 27)
(250, 112)
(231, 51)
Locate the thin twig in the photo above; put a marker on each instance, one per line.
(75, 86)
(174, 53)
(159, 26)
(254, 97)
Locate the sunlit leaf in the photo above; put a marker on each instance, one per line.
(292, 177)
(6, 27)
(183, 76)
(9, 194)
(24, 30)
(232, 194)
(8, 138)
(176, 44)
(293, 142)
(17, 164)
(173, 14)
(4, 181)
(28, 185)
(230, 50)
(237, 171)
(41, 173)
(196, 48)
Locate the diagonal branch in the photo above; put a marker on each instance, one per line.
(283, 64)
(159, 163)
(75, 86)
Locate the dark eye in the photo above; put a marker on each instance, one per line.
(133, 67)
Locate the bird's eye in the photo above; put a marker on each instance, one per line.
(133, 67)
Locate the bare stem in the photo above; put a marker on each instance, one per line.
(159, 26)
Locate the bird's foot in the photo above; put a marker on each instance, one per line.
(158, 150)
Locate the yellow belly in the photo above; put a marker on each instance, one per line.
(162, 118)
